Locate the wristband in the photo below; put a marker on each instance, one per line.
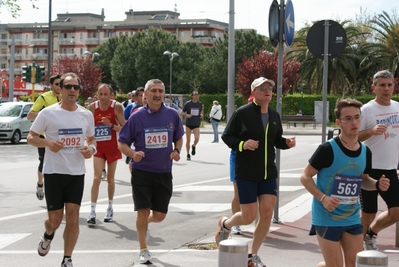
(177, 150)
(377, 185)
(321, 199)
(112, 126)
(94, 148)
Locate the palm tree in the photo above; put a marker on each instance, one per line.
(341, 70)
(387, 41)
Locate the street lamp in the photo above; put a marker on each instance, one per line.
(85, 52)
(171, 56)
(93, 55)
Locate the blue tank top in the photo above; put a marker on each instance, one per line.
(342, 180)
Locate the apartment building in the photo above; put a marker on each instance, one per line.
(74, 34)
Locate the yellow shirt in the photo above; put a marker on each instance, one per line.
(44, 100)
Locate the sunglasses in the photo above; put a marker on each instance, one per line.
(264, 87)
(70, 86)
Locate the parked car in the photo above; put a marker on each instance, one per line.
(14, 125)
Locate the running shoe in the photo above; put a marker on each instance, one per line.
(44, 246)
(188, 157)
(236, 230)
(104, 175)
(193, 150)
(370, 242)
(254, 261)
(145, 257)
(221, 233)
(109, 215)
(67, 263)
(39, 192)
(91, 219)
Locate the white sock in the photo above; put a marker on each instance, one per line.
(110, 204)
(93, 207)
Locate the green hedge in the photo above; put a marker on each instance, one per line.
(290, 105)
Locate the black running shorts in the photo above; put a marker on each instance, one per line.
(62, 188)
(368, 199)
(151, 190)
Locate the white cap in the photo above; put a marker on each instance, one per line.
(259, 81)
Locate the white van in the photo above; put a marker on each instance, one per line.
(14, 125)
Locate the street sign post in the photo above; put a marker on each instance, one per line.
(326, 39)
(289, 23)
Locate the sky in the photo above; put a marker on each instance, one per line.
(249, 14)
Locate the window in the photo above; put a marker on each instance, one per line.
(181, 34)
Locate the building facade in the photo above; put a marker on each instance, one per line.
(75, 34)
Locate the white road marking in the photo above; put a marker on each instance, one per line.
(291, 212)
(7, 239)
(227, 188)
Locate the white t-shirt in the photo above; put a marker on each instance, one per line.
(385, 147)
(70, 127)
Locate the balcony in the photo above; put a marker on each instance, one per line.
(39, 41)
(70, 55)
(93, 40)
(17, 41)
(40, 56)
(66, 41)
(203, 39)
(16, 56)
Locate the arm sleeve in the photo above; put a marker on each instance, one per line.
(38, 105)
(322, 157)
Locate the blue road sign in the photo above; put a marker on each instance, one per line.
(289, 23)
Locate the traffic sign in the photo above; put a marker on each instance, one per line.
(289, 23)
(336, 39)
(274, 20)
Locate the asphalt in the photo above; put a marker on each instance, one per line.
(287, 244)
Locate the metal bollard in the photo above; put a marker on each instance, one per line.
(369, 258)
(233, 253)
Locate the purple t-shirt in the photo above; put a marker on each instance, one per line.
(154, 134)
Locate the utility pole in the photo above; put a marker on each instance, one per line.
(11, 77)
(33, 80)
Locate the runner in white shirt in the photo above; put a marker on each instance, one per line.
(379, 130)
(69, 130)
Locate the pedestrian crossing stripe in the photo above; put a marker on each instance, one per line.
(226, 188)
(7, 239)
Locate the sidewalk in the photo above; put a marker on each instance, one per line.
(287, 244)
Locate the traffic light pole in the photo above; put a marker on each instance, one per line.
(33, 80)
(11, 77)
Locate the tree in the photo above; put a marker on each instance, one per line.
(13, 6)
(107, 52)
(151, 63)
(87, 71)
(264, 64)
(342, 70)
(214, 68)
(187, 68)
(387, 40)
(123, 63)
